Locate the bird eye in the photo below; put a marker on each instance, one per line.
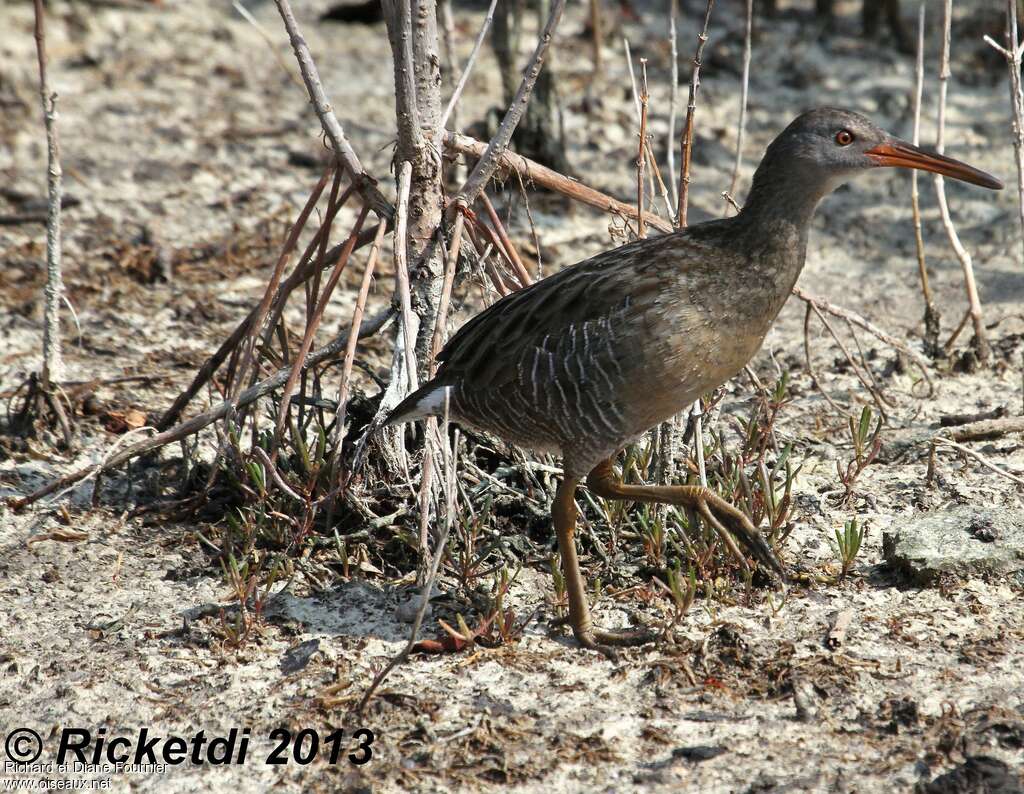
(844, 137)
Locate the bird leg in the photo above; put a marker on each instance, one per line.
(563, 512)
(710, 506)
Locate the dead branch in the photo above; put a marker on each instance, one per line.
(364, 183)
(312, 323)
(941, 441)
(987, 429)
(687, 137)
(506, 243)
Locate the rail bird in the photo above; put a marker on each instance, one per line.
(585, 361)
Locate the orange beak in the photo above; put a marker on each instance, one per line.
(900, 154)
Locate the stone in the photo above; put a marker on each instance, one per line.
(963, 541)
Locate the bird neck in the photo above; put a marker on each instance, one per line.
(782, 198)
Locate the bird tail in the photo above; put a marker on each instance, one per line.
(428, 400)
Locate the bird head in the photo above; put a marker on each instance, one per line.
(830, 145)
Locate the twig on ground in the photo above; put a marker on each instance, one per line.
(809, 365)
(987, 429)
(851, 316)
(451, 461)
(687, 137)
(981, 345)
(1012, 52)
(941, 441)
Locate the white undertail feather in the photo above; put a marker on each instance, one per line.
(430, 404)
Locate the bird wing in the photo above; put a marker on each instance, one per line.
(487, 351)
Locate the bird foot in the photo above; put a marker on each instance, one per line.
(603, 640)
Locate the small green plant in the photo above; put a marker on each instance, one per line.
(848, 543)
(866, 445)
(681, 589)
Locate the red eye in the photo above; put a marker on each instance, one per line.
(844, 137)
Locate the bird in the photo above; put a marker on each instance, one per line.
(584, 362)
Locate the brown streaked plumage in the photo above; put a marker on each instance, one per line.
(585, 361)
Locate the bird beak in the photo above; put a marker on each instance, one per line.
(900, 154)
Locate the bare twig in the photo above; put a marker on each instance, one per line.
(741, 125)
(513, 256)
(312, 324)
(856, 319)
(365, 184)
(931, 314)
(402, 273)
(1012, 53)
(498, 145)
(807, 360)
(353, 337)
(641, 159)
(981, 346)
(548, 178)
(941, 441)
(673, 102)
(691, 107)
(53, 367)
(464, 76)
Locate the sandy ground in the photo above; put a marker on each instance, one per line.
(181, 131)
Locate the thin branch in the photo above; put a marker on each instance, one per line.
(941, 441)
(741, 125)
(53, 367)
(691, 107)
(402, 272)
(365, 184)
(673, 102)
(469, 64)
(506, 243)
(931, 314)
(641, 158)
(856, 319)
(498, 145)
(981, 346)
(312, 324)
